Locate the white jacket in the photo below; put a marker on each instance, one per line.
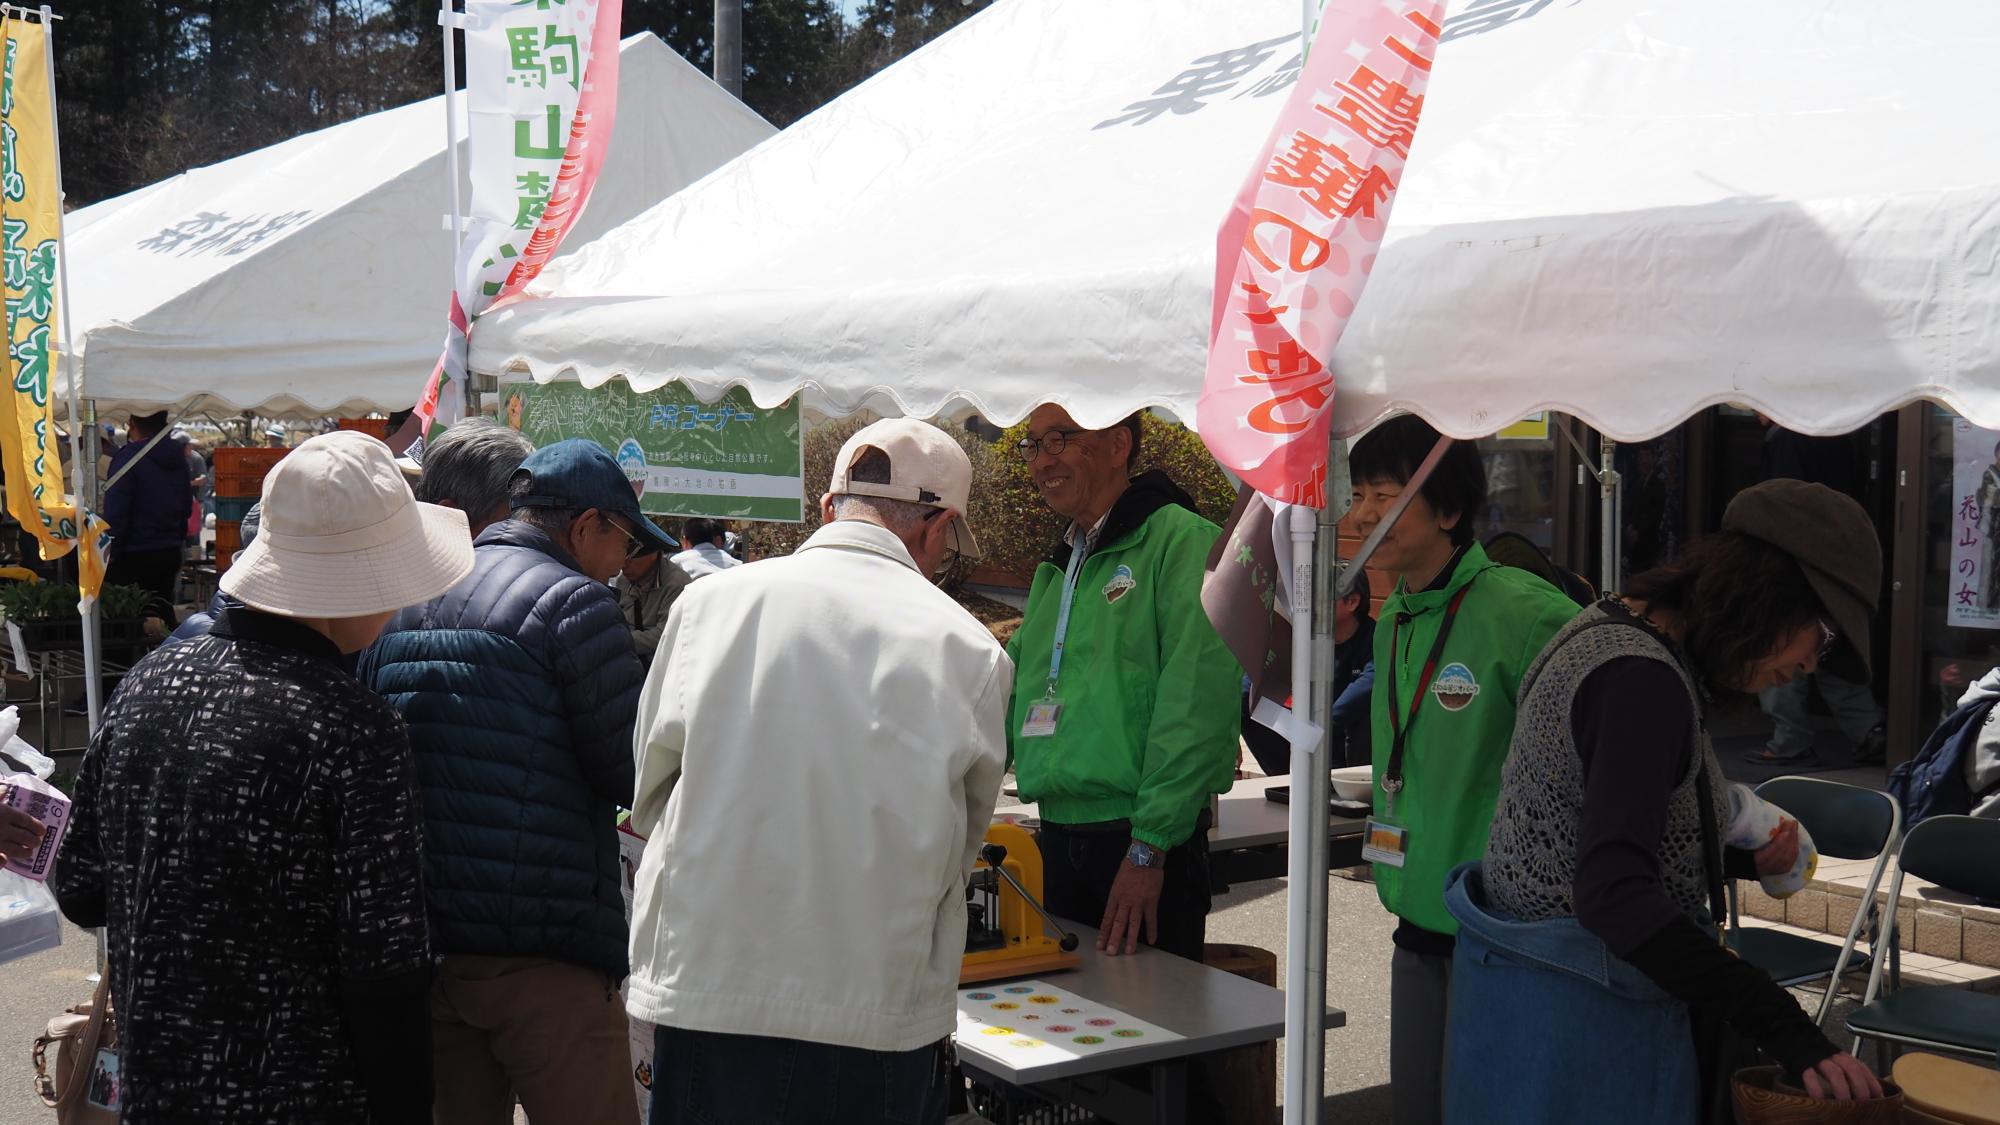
(819, 747)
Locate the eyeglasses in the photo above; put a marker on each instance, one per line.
(1052, 442)
(1827, 639)
(634, 546)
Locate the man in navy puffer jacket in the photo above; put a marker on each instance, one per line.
(520, 688)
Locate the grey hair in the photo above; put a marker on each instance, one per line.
(554, 521)
(900, 516)
(471, 464)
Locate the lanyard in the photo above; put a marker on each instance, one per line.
(1392, 778)
(1070, 576)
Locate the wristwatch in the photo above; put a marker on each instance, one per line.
(1144, 855)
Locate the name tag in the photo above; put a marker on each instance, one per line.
(1385, 843)
(1041, 721)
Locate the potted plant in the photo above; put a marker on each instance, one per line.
(123, 610)
(46, 614)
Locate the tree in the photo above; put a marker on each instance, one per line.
(794, 51)
(150, 88)
(887, 30)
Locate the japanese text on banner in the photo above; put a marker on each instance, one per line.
(542, 95)
(30, 210)
(1973, 587)
(1301, 239)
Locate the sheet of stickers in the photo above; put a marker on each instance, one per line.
(1023, 1023)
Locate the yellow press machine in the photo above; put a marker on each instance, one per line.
(1005, 932)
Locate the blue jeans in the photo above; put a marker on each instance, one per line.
(708, 1078)
(1852, 703)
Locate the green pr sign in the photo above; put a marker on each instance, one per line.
(728, 459)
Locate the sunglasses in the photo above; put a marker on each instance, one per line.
(634, 546)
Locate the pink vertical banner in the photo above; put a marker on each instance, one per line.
(1301, 238)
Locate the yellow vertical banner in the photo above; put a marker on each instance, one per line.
(30, 225)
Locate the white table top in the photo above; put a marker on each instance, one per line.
(1211, 1010)
(1245, 818)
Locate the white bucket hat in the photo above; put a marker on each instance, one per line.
(343, 537)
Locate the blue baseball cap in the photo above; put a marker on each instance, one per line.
(577, 474)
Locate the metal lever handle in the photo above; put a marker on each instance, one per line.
(995, 855)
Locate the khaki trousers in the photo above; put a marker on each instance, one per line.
(553, 1034)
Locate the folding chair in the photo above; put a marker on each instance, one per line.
(1845, 822)
(1962, 854)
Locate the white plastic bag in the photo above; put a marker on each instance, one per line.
(29, 920)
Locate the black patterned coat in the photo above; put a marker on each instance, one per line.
(247, 827)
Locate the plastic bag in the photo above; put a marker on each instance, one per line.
(29, 920)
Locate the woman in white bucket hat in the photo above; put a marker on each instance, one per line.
(247, 826)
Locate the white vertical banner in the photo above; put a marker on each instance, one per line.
(541, 99)
(1973, 592)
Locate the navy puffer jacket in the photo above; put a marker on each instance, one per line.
(519, 687)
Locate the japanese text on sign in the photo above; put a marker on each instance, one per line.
(1974, 582)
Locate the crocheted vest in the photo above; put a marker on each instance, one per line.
(1530, 864)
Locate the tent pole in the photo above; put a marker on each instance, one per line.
(92, 685)
(1608, 515)
(1305, 1032)
(450, 21)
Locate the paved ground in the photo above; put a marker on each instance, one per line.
(38, 987)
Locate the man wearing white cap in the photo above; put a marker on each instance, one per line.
(820, 745)
(247, 828)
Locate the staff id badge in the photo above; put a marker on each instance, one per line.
(1385, 843)
(1041, 721)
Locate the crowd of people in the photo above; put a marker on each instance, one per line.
(352, 835)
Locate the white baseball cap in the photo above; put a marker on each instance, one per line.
(925, 467)
(342, 536)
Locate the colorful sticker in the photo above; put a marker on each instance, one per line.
(1025, 1042)
(1121, 584)
(1044, 1000)
(1005, 1006)
(1128, 1033)
(979, 996)
(1031, 1018)
(1088, 1040)
(997, 1031)
(1019, 989)
(1101, 1022)
(1455, 687)
(1060, 1029)
(1072, 1011)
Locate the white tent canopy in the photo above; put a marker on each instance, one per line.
(312, 277)
(1623, 210)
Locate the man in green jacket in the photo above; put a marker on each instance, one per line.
(1451, 645)
(1125, 709)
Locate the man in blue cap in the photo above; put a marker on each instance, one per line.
(520, 687)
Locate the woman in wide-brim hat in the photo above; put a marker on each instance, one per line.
(1589, 981)
(247, 828)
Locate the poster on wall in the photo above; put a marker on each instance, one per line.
(1974, 590)
(727, 459)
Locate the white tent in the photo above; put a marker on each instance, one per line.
(1623, 209)
(312, 276)
(1626, 210)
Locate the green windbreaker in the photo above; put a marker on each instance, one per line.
(1151, 697)
(1463, 728)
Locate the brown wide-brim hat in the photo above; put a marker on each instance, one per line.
(1832, 539)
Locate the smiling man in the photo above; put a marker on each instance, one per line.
(1451, 646)
(1124, 717)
